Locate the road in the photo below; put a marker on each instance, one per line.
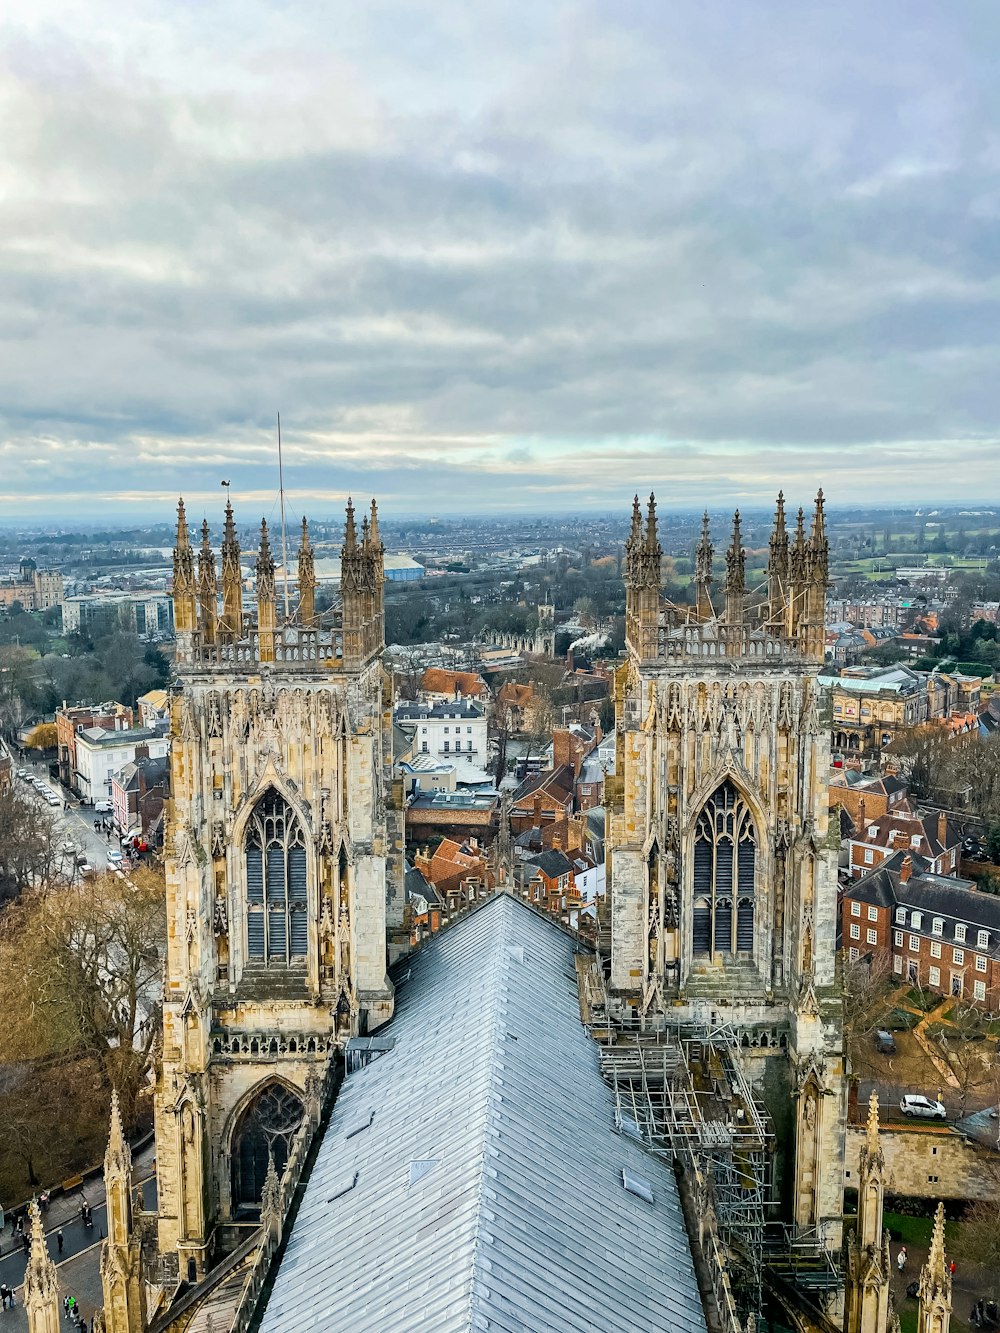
(75, 822)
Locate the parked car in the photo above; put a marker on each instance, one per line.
(885, 1042)
(102, 807)
(115, 858)
(86, 870)
(924, 1107)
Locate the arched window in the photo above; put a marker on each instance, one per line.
(725, 857)
(277, 902)
(266, 1128)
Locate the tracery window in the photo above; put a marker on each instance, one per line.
(265, 1130)
(277, 900)
(725, 860)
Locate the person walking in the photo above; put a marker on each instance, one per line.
(953, 1268)
(59, 1240)
(5, 1295)
(901, 1258)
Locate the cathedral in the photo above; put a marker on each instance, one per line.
(283, 869)
(723, 900)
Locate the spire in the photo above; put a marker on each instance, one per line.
(934, 1286)
(270, 1199)
(376, 536)
(935, 1266)
(818, 548)
(41, 1282)
(118, 1157)
(871, 1136)
(735, 585)
(183, 584)
(265, 565)
(797, 558)
(232, 579)
(307, 578)
(777, 569)
(350, 535)
(703, 571)
(207, 587)
(652, 544)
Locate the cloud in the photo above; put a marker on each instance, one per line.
(497, 257)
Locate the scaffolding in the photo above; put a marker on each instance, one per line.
(684, 1095)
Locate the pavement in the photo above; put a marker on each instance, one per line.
(79, 1264)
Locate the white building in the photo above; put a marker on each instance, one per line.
(100, 754)
(445, 729)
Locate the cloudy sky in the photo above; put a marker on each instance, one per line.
(497, 255)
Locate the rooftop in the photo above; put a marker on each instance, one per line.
(472, 1178)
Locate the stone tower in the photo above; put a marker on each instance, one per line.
(121, 1276)
(41, 1282)
(283, 871)
(868, 1296)
(722, 868)
(934, 1290)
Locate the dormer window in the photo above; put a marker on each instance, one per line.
(937, 926)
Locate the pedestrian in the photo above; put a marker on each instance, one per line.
(901, 1258)
(59, 1240)
(26, 1242)
(4, 1295)
(953, 1268)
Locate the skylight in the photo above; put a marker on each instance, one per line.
(637, 1186)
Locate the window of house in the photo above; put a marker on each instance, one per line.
(897, 939)
(980, 963)
(897, 965)
(873, 937)
(983, 940)
(873, 914)
(855, 932)
(423, 731)
(917, 920)
(935, 948)
(447, 747)
(934, 976)
(937, 926)
(446, 731)
(914, 944)
(853, 955)
(855, 909)
(901, 915)
(960, 933)
(869, 856)
(915, 840)
(469, 730)
(979, 990)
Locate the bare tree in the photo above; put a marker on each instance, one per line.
(30, 852)
(80, 976)
(868, 987)
(966, 1051)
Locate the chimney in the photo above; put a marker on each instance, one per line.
(141, 752)
(861, 815)
(942, 828)
(536, 811)
(561, 748)
(906, 869)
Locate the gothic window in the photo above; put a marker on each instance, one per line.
(266, 1129)
(277, 902)
(725, 857)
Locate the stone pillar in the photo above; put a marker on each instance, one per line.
(183, 589)
(41, 1283)
(266, 607)
(231, 625)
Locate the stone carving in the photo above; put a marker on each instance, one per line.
(214, 712)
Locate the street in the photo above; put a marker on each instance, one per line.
(76, 822)
(78, 1265)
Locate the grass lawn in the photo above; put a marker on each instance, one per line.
(923, 1000)
(901, 1020)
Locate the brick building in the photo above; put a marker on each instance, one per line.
(542, 798)
(867, 796)
(934, 837)
(940, 932)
